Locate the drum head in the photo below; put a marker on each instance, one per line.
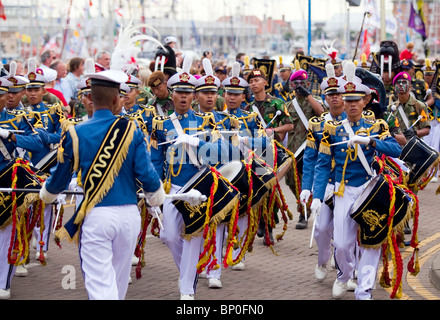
(231, 170)
(419, 157)
(372, 211)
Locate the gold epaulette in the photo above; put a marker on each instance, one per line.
(54, 108)
(311, 141)
(17, 113)
(208, 118)
(158, 122)
(380, 126)
(331, 125)
(368, 114)
(235, 123)
(149, 110)
(70, 122)
(278, 86)
(315, 123)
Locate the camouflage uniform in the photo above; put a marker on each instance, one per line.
(298, 135)
(268, 108)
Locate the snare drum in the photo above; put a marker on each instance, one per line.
(25, 178)
(283, 158)
(49, 161)
(372, 211)
(237, 174)
(420, 159)
(225, 199)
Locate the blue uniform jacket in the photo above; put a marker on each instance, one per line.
(355, 174)
(137, 164)
(210, 149)
(51, 117)
(29, 140)
(314, 136)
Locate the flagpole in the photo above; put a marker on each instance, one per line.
(383, 33)
(309, 33)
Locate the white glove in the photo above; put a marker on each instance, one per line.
(73, 184)
(358, 140)
(185, 138)
(4, 133)
(243, 140)
(316, 206)
(61, 198)
(46, 196)
(156, 198)
(304, 196)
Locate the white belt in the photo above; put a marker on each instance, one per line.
(300, 113)
(360, 152)
(188, 148)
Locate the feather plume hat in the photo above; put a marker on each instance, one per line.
(332, 53)
(351, 86)
(183, 80)
(18, 82)
(34, 75)
(209, 82)
(234, 83)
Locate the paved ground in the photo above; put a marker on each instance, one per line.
(286, 275)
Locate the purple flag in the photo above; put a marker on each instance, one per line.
(416, 22)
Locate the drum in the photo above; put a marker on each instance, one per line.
(25, 178)
(420, 159)
(49, 161)
(224, 200)
(372, 211)
(283, 158)
(237, 174)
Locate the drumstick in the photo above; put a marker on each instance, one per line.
(313, 231)
(194, 197)
(154, 212)
(192, 135)
(276, 115)
(342, 142)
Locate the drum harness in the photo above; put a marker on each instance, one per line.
(4, 151)
(179, 130)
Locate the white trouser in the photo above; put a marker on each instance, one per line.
(6, 270)
(242, 225)
(345, 232)
(345, 239)
(219, 241)
(185, 252)
(367, 272)
(324, 231)
(48, 215)
(107, 242)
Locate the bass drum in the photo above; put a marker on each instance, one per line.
(237, 174)
(224, 200)
(420, 159)
(372, 208)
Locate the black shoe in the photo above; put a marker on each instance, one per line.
(302, 223)
(270, 237)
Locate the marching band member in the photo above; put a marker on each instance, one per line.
(30, 141)
(250, 130)
(353, 161)
(108, 217)
(301, 109)
(324, 220)
(266, 108)
(47, 121)
(178, 162)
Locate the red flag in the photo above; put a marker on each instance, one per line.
(2, 11)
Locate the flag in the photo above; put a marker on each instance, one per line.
(416, 19)
(2, 11)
